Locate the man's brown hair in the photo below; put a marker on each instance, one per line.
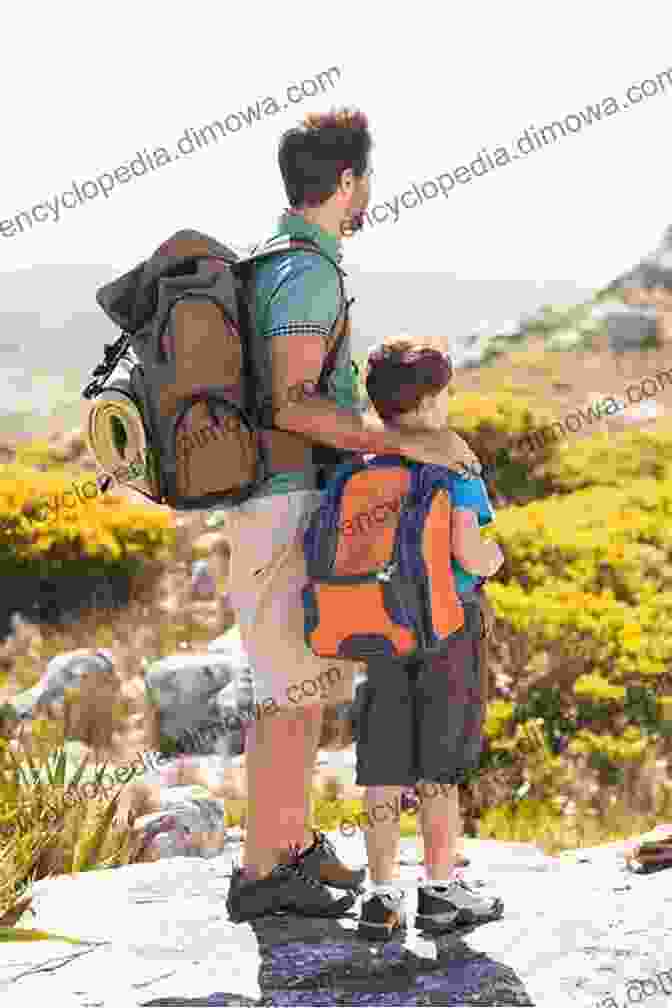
(401, 374)
(314, 155)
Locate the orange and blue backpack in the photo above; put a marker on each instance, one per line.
(378, 559)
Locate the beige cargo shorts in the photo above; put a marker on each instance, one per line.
(267, 575)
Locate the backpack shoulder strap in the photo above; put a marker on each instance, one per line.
(343, 473)
(428, 478)
(283, 244)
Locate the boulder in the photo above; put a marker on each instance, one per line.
(64, 671)
(190, 823)
(629, 327)
(200, 697)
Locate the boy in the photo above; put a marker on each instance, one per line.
(420, 720)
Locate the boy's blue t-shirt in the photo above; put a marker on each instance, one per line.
(469, 494)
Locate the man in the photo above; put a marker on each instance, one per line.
(325, 166)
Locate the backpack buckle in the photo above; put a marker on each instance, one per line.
(386, 573)
(267, 414)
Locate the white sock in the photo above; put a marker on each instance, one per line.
(388, 889)
(438, 883)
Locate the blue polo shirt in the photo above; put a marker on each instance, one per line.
(300, 293)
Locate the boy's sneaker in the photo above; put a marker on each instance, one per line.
(322, 863)
(447, 908)
(383, 916)
(286, 890)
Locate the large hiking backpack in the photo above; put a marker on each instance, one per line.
(378, 562)
(188, 383)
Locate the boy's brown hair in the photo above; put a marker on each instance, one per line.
(401, 373)
(314, 155)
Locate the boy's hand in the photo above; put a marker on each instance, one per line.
(445, 448)
(495, 555)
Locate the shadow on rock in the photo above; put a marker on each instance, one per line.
(322, 962)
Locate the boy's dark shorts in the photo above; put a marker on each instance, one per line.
(421, 719)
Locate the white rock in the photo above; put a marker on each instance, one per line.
(572, 934)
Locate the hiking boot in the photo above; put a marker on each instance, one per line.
(321, 862)
(286, 890)
(383, 917)
(442, 909)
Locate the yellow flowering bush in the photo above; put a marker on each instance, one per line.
(59, 537)
(594, 630)
(584, 607)
(499, 715)
(36, 522)
(521, 822)
(497, 420)
(510, 414)
(630, 746)
(597, 687)
(601, 539)
(612, 459)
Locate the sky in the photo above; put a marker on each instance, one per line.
(87, 87)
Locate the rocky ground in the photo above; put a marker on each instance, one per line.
(577, 930)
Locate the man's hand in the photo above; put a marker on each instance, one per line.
(296, 364)
(445, 448)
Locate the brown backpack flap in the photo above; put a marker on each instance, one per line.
(205, 350)
(189, 245)
(207, 450)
